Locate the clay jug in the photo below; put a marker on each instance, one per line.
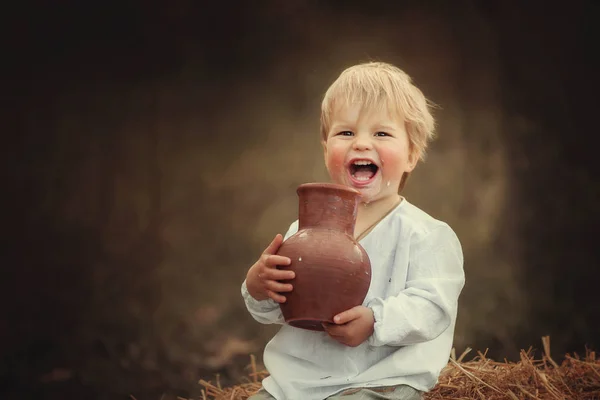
(333, 272)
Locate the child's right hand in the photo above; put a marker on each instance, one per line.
(262, 277)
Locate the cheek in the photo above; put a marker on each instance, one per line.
(335, 160)
(394, 161)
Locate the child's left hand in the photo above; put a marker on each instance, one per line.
(352, 327)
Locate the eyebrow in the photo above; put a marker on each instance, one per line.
(347, 126)
(385, 128)
(342, 126)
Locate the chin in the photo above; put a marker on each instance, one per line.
(367, 195)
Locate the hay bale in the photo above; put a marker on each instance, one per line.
(480, 378)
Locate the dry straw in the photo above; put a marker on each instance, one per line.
(480, 378)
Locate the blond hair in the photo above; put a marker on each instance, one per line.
(379, 84)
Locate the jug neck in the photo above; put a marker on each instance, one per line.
(327, 205)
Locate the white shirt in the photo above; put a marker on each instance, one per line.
(417, 276)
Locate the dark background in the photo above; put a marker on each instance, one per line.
(151, 151)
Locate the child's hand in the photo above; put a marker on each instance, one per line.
(352, 327)
(262, 277)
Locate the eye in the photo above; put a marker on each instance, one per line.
(345, 133)
(382, 134)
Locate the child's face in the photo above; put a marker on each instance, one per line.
(368, 150)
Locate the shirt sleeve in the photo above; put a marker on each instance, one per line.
(266, 311)
(428, 304)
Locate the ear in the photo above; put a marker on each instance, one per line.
(413, 159)
(324, 144)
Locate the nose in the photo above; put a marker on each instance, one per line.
(361, 143)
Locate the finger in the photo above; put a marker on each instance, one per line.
(275, 296)
(338, 337)
(272, 260)
(276, 274)
(274, 245)
(327, 328)
(346, 316)
(333, 330)
(278, 287)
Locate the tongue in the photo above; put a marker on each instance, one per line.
(363, 173)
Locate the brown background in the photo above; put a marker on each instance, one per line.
(152, 150)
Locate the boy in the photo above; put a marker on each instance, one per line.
(375, 126)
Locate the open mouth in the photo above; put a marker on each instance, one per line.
(363, 170)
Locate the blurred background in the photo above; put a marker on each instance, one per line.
(152, 150)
